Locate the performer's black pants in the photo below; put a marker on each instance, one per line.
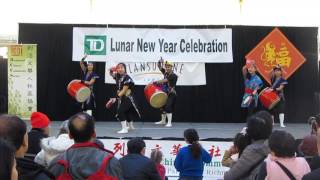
(126, 110)
(279, 108)
(171, 101)
(90, 104)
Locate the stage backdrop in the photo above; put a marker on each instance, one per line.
(218, 101)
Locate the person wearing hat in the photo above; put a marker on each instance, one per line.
(89, 78)
(252, 84)
(278, 85)
(40, 129)
(169, 82)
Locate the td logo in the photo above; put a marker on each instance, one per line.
(95, 45)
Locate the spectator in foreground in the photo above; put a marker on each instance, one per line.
(85, 159)
(53, 146)
(190, 159)
(315, 174)
(14, 130)
(40, 129)
(308, 149)
(135, 165)
(8, 168)
(259, 128)
(281, 163)
(156, 157)
(240, 142)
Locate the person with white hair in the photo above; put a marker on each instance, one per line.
(51, 147)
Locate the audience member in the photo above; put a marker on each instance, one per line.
(240, 142)
(156, 157)
(40, 129)
(190, 159)
(14, 130)
(85, 159)
(281, 163)
(8, 168)
(315, 162)
(53, 146)
(308, 148)
(135, 165)
(259, 128)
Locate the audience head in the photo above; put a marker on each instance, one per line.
(314, 122)
(81, 127)
(136, 146)
(64, 129)
(156, 156)
(308, 146)
(191, 137)
(240, 142)
(259, 126)
(39, 120)
(7, 161)
(14, 130)
(282, 144)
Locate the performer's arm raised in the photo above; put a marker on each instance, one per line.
(244, 72)
(83, 64)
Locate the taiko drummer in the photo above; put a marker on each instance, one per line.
(252, 84)
(169, 83)
(89, 78)
(127, 110)
(278, 85)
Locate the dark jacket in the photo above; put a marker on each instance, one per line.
(29, 170)
(247, 166)
(85, 161)
(313, 175)
(138, 167)
(34, 138)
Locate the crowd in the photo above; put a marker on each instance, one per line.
(258, 152)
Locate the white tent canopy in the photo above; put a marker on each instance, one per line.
(164, 12)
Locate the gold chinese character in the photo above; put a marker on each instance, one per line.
(269, 55)
(283, 57)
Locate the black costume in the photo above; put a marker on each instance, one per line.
(127, 109)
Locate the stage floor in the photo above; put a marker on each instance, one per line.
(206, 130)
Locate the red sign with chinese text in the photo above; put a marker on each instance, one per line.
(276, 49)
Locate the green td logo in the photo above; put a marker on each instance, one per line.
(95, 45)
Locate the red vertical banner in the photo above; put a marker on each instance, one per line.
(276, 49)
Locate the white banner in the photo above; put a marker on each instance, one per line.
(189, 74)
(148, 44)
(212, 171)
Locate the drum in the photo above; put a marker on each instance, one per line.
(269, 99)
(78, 91)
(155, 95)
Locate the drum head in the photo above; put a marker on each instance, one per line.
(83, 94)
(158, 99)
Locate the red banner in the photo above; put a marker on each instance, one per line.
(276, 49)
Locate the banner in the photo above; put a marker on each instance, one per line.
(276, 49)
(213, 170)
(148, 44)
(189, 74)
(22, 80)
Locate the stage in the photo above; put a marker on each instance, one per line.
(207, 131)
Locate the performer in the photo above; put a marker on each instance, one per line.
(127, 110)
(278, 85)
(169, 82)
(89, 78)
(252, 84)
